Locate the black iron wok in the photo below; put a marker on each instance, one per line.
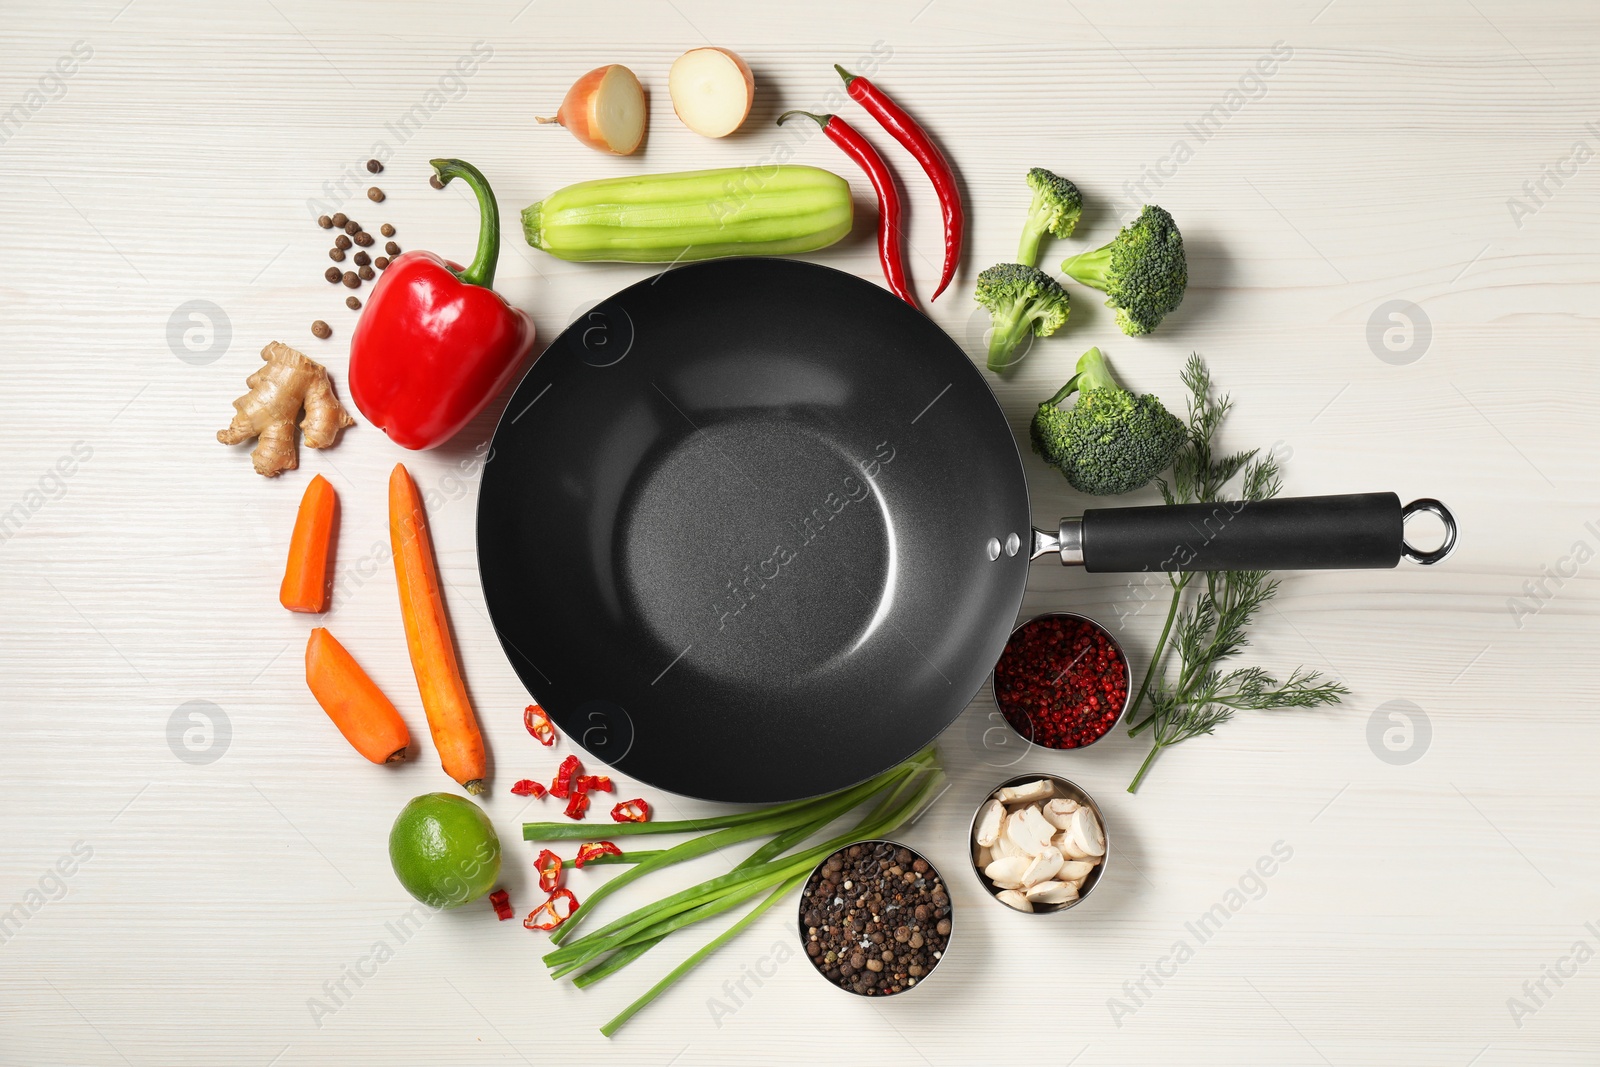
(754, 530)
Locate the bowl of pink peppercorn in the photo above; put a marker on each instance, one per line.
(1062, 681)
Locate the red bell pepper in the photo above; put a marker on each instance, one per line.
(436, 343)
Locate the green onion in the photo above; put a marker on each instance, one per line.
(902, 792)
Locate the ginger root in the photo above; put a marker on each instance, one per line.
(288, 382)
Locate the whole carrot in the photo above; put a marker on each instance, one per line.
(433, 655)
(353, 701)
(859, 149)
(305, 576)
(903, 128)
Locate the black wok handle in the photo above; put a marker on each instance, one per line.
(1352, 531)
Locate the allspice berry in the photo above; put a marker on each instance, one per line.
(352, 280)
(322, 329)
(375, 195)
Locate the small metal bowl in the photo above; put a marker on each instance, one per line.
(1064, 788)
(1127, 678)
(805, 930)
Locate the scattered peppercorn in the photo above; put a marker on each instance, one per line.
(433, 180)
(336, 254)
(386, 229)
(339, 219)
(367, 273)
(322, 329)
(325, 222)
(364, 239)
(352, 280)
(375, 195)
(382, 263)
(867, 929)
(353, 303)
(333, 274)
(341, 241)
(1061, 682)
(362, 259)
(391, 248)
(374, 167)
(352, 227)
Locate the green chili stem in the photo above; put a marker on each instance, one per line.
(481, 270)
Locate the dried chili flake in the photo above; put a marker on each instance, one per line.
(577, 804)
(539, 725)
(502, 904)
(593, 850)
(561, 788)
(553, 912)
(594, 783)
(549, 867)
(527, 787)
(635, 810)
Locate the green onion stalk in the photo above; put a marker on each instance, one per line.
(772, 868)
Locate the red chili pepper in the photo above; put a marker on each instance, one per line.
(502, 904)
(554, 915)
(577, 804)
(903, 128)
(539, 725)
(859, 149)
(635, 810)
(549, 867)
(593, 850)
(594, 783)
(527, 787)
(436, 343)
(561, 788)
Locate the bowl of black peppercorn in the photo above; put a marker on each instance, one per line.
(875, 919)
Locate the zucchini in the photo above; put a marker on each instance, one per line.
(697, 214)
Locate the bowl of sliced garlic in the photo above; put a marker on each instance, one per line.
(1039, 843)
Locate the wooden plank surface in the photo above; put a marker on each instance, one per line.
(211, 904)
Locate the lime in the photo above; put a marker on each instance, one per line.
(444, 850)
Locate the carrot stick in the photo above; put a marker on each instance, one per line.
(305, 578)
(433, 655)
(353, 701)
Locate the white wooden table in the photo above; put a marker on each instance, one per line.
(229, 871)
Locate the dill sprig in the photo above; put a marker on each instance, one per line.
(1216, 625)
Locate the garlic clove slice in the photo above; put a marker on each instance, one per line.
(1007, 873)
(1038, 829)
(1023, 836)
(1026, 793)
(989, 818)
(1014, 899)
(982, 856)
(1052, 892)
(1085, 833)
(1069, 849)
(1042, 867)
(1058, 812)
(1075, 870)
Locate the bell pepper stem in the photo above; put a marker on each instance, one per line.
(481, 270)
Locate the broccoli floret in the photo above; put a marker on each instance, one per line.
(1110, 441)
(1055, 209)
(1022, 300)
(1143, 271)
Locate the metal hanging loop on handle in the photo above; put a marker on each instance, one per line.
(1431, 507)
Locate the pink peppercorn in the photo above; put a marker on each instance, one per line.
(1061, 682)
